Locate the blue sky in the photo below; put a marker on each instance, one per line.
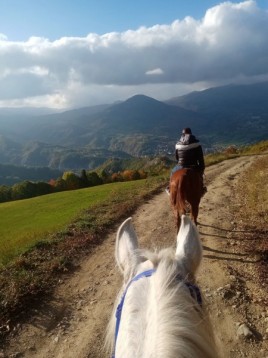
(21, 19)
(66, 54)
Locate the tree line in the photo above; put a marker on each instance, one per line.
(68, 181)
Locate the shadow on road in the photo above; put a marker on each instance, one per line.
(232, 256)
(256, 234)
(231, 259)
(223, 252)
(232, 231)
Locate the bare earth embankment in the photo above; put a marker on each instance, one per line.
(73, 323)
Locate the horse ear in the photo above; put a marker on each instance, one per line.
(126, 244)
(189, 247)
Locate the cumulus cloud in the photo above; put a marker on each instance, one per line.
(228, 44)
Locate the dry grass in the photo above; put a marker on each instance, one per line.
(233, 152)
(252, 195)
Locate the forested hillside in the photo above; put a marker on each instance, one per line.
(139, 126)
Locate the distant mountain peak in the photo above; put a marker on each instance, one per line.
(139, 102)
(141, 98)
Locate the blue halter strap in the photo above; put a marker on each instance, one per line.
(194, 292)
(118, 313)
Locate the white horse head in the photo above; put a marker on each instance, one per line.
(160, 313)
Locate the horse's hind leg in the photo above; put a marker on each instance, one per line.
(194, 212)
(178, 222)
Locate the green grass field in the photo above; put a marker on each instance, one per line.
(23, 223)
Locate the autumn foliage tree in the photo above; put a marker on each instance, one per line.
(143, 174)
(68, 181)
(60, 185)
(72, 180)
(128, 175)
(116, 177)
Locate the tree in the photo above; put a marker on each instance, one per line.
(23, 190)
(60, 185)
(52, 183)
(126, 175)
(43, 188)
(72, 180)
(5, 193)
(84, 178)
(135, 175)
(116, 177)
(104, 176)
(143, 174)
(131, 175)
(93, 179)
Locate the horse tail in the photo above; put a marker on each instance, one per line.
(181, 197)
(178, 198)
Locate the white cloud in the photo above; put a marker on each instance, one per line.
(156, 71)
(229, 44)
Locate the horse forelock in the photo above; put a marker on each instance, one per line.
(159, 317)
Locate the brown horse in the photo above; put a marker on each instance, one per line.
(186, 186)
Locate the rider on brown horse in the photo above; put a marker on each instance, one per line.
(189, 154)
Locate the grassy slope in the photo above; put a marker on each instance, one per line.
(25, 222)
(29, 276)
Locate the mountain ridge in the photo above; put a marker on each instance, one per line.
(138, 126)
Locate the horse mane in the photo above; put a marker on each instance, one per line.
(177, 326)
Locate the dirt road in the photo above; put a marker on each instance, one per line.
(72, 325)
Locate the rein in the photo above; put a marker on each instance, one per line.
(194, 292)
